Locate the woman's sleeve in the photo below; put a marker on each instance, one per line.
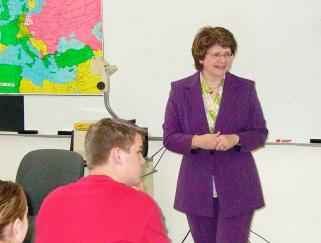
(256, 134)
(174, 137)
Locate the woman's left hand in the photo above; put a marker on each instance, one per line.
(225, 142)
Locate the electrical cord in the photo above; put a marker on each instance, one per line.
(259, 236)
(186, 235)
(149, 173)
(159, 158)
(248, 241)
(157, 151)
(151, 158)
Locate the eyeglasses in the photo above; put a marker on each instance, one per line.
(226, 56)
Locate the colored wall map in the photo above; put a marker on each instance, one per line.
(46, 46)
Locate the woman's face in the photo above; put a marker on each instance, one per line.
(217, 61)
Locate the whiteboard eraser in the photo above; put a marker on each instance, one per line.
(27, 131)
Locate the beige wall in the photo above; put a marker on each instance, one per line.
(14, 147)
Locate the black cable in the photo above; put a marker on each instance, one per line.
(151, 158)
(248, 240)
(159, 159)
(149, 173)
(186, 235)
(260, 236)
(154, 168)
(157, 152)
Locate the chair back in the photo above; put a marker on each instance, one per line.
(41, 171)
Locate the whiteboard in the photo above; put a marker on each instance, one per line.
(150, 42)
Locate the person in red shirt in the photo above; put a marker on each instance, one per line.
(105, 206)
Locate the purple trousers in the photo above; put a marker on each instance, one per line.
(217, 229)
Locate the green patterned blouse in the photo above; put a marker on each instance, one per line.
(211, 103)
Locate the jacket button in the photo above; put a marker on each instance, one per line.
(212, 152)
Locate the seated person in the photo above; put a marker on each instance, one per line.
(104, 207)
(13, 213)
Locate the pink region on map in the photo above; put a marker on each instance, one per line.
(60, 18)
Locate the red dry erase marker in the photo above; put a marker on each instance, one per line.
(283, 140)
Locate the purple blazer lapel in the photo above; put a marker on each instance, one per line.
(196, 103)
(229, 97)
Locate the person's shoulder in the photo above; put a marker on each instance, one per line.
(185, 82)
(141, 195)
(240, 81)
(60, 192)
(137, 197)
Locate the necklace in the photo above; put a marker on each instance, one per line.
(208, 90)
(213, 90)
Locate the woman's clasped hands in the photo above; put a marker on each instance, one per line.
(216, 141)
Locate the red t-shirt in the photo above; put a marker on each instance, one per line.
(97, 209)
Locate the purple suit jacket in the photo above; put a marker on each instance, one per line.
(234, 171)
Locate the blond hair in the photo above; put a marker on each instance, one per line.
(13, 204)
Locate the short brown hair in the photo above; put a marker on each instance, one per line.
(13, 204)
(208, 36)
(106, 134)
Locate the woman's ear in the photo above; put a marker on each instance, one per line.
(12, 230)
(16, 227)
(16, 230)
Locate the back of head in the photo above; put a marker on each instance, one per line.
(13, 206)
(106, 134)
(208, 36)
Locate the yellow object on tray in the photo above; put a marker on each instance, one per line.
(83, 125)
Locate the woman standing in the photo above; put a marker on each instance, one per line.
(215, 120)
(13, 213)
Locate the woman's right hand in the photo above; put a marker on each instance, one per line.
(206, 141)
